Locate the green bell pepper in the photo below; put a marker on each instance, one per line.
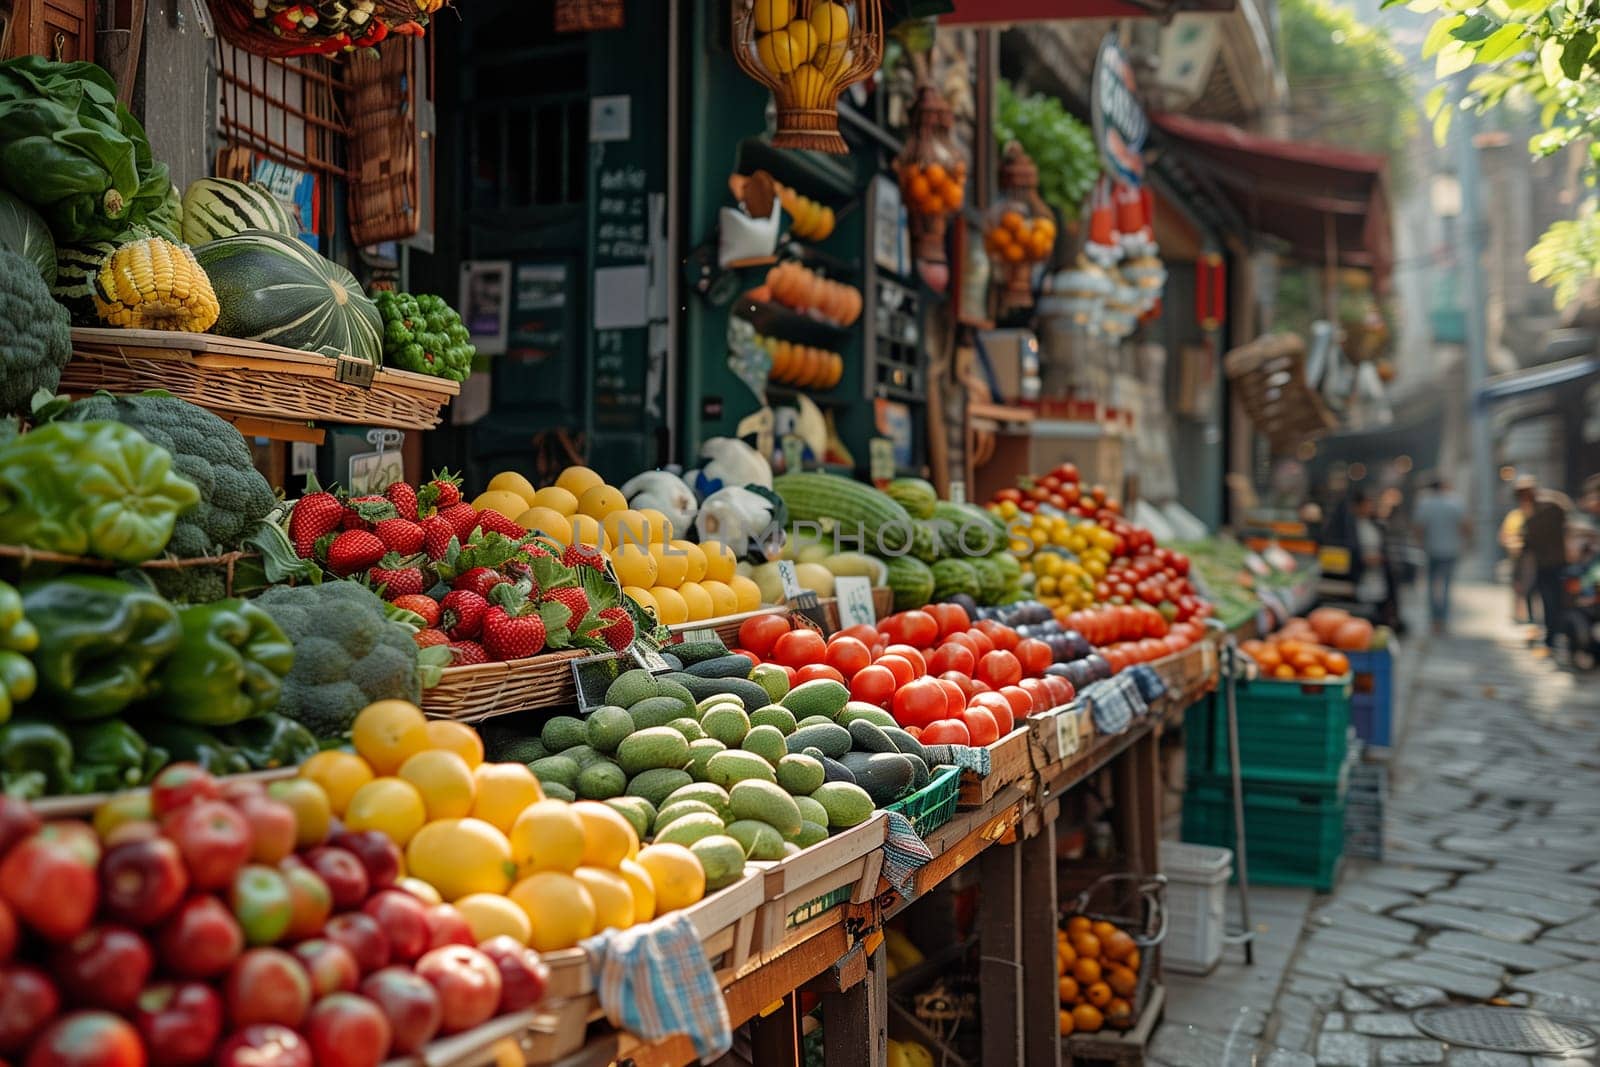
(90, 489)
(270, 741)
(18, 637)
(184, 743)
(35, 760)
(110, 755)
(101, 643)
(228, 667)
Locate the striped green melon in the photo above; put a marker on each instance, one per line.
(76, 266)
(275, 289)
(218, 207)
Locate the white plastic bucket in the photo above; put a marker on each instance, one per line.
(1197, 882)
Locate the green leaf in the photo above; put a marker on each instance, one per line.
(555, 617)
(1576, 53)
(1454, 58)
(431, 662)
(1550, 62)
(1475, 28)
(1440, 33)
(1503, 42)
(1441, 126)
(1433, 101)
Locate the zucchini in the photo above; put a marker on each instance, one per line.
(691, 652)
(742, 690)
(869, 737)
(885, 776)
(724, 666)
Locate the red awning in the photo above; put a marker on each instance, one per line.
(1324, 202)
(1013, 11)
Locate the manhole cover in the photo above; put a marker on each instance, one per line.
(1504, 1030)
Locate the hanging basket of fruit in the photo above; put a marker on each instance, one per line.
(807, 52)
(1019, 231)
(283, 28)
(933, 176)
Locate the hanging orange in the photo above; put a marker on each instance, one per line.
(1087, 972)
(1087, 1017)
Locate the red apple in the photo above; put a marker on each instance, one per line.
(330, 965)
(77, 837)
(103, 967)
(361, 934)
(28, 1000)
(379, 855)
(201, 940)
(468, 983)
(404, 920)
(237, 790)
(310, 901)
(346, 1030)
(87, 1039)
(267, 985)
(142, 881)
(17, 821)
(179, 784)
(272, 827)
(410, 1004)
(50, 885)
(523, 975)
(214, 840)
(179, 1022)
(8, 932)
(265, 1046)
(135, 830)
(346, 877)
(447, 926)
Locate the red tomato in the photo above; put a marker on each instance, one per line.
(900, 667)
(913, 656)
(946, 732)
(952, 618)
(999, 633)
(962, 680)
(873, 685)
(759, 633)
(799, 647)
(920, 703)
(1061, 690)
(788, 672)
(955, 697)
(916, 628)
(747, 654)
(861, 632)
(980, 724)
(999, 668)
(1022, 704)
(812, 671)
(1039, 691)
(1067, 472)
(1034, 655)
(981, 643)
(999, 709)
(847, 655)
(1175, 642)
(963, 639)
(951, 656)
(914, 731)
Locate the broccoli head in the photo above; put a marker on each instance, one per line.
(424, 334)
(347, 654)
(35, 334)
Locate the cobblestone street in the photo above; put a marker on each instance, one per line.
(1489, 889)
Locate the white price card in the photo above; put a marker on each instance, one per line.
(855, 601)
(649, 658)
(700, 635)
(1067, 731)
(794, 452)
(790, 580)
(880, 452)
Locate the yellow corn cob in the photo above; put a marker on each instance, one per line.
(153, 284)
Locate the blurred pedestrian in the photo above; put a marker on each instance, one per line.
(1521, 565)
(1544, 540)
(1369, 564)
(1442, 520)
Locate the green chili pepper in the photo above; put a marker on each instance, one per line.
(35, 759)
(101, 643)
(110, 755)
(270, 741)
(184, 743)
(228, 666)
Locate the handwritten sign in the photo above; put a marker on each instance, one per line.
(791, 581)
(1067, 732)
(880, 453)
(794, 451)
(855, 602)
(648, 658)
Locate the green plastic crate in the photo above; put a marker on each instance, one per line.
(1288, 731)
(1200, 738)
(1295, 836)
(934, 804)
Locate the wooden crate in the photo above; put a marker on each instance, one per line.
(1009, 761)
(1055, 736)
(82, 807)
(1268, 376)
(1111, 1046)
(803, 890)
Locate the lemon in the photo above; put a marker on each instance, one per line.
(312, 815)
(601, 500)
(456, 737)
(504, 501)
(586, 531)
(776, 52)
(802, 41)
(503, 790)
(660, 525)
(491, 915)
(831, 21)
(390, 805)
(444, 780)
(557, 499)
(697, 601)
(612, 896)
(560, 910)
(695, 557)
(723, 600)
(806, 85)
(512, 482)
(339, 774)
(626, 527)
(830, 59)
(608, 838)
(387, 733)
(459, 857)
(670, 607)
(746, 591)
(644, 598)
(419, 889)
(548, 836)
(773, 14)
(546, 520)
(634, 565)
(578, 480)
(720, 560)
(672, 566)
(644, 890)
(677, 876)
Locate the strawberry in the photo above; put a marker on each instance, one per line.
(361, 512)
(355, 550)
(618, 633)
(437, 533)
(479, 579)
(400, 535)
(583, 555)
(512, 636)
(574, 600)
(462, 518)
(313, 516)
(534, 550)
(491, 521)
(442, 492)
(420, 604)
(397, 581)
(429, 638)
(462, 613)
(404, 499)
(467, 653)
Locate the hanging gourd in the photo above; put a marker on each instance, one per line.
(807, 52)
(932, 173)
(1019, 231)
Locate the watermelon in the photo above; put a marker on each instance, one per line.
(911, 581)
(76, 266)
(915, 495)
(214, 208)
(24, 232)
(952, 576)
(277, 290)
(991, 579)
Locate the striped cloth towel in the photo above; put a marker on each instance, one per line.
(904, 854)
(1114, 703)
(1151, 687)
(654, 980)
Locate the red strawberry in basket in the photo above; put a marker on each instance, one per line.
(397, 580)
(401, 536)
(580, 555)
(420, 604)
(479, 579)
(429, 638)
(437, 533)
(467, 654)
(440, 493)
(491, 521)
(355, 550)
(462, 615)
(513, 636)
(618, 631)
(574, 600)
(461, 517)
(404, 499)
(314, 516)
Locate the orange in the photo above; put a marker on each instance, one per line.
(918, 187)
(490, 915)
(644, 890)
(444, 780)
(1118, 945)
(1086, 944)
(1078, 924)
(391, 805)
(1314, 671)
(608, 838)
(563, 502)
(671, 608)
(1119, 1014)
(389, 732)
(1098, 994)
(1133, 961)
(1065, 1025)
(549, 836)
(612, 896)
(1267, 658)
(560, 910)
(599, 501)
(460, 857)
(339, 774)
(1102, 930)
(503, 790)
(635, 565)
(1337, 663)
(1121, 980)
(1087, 972)
(456, 737)
(678, 878)
(1087, 1017)
(577, 481)
(1065, 956)
(1013, 222)
(1067, 989)
(1283, 670)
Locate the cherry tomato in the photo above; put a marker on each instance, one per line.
(999, 709)
(981, 643)
(861, 632)
(999, 668)
(955, 698)
(916, 628)
(799, 647)
(873, 685)
(952, 618)
(847, 655)
(962, 680)
(1001, 635)
(759, 633)
(919, 703)
(1061, 690)
(980, 724)
(919, 663)
(812, 671)
(951, 656)
(904, 673)
(1034, 655)
(946, 732)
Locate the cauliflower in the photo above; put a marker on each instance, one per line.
(422, 333)
(667, 493)
(35, 334)
(347, 654)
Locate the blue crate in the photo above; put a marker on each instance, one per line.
(1372, 696)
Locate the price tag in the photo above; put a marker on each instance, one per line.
(790, 580)
(700, 635)
(1067, 732)
(880, 452)
(648, 658)
(794, 451)
(958, 492)
(855, 602)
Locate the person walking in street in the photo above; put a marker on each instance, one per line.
(1442, 520)
(1370, 565)
(1544, 538)
(1521, 569)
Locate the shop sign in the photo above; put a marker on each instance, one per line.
(1120, 124)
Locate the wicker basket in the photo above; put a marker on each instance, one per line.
(385, 176)
(1269, 377)
(236, 24)
(488, 689)
(247, 378)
